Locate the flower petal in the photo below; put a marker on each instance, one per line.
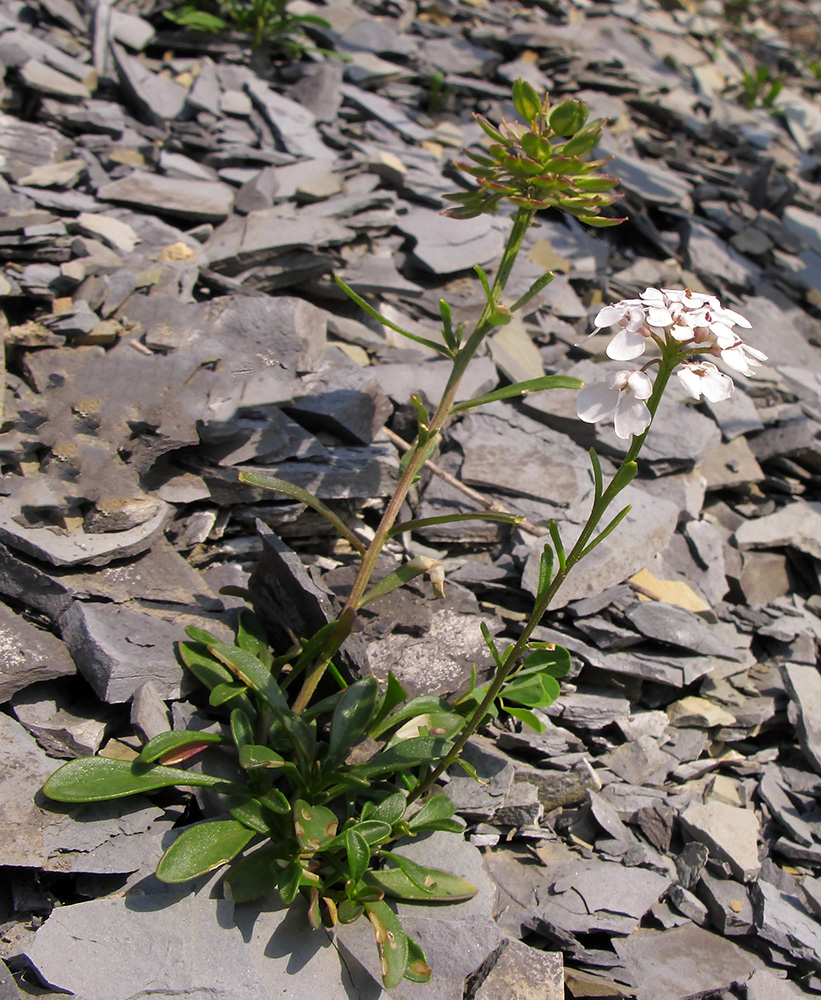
(632, 417)
(596, 402)
(626, 345)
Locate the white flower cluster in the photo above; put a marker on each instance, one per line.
(697, 322)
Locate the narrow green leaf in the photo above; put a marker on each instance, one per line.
(95, 779)
(399, 577)
(625, 475)
(446, 724)
(423, 878)
(223, 693)
(206, 668)
(597, 476)
(469, 770)
(448, 335)
(416, 706)
(490, 642)
(297, 493)
(254, 876)
(488, 129)
(352, 715)
(553, 528)
(604, 533)
(600, 221)
(390, 942)
(394, 695)
(165, 743)
(447, 888)
(242, 729)
(422, 418)
(200, 635)
(439, 348)
(479, 515)
(483, 278)
(288, 882)
(521, 389)
(534, 289)
(251, 672)
(358, 852)
(545, 571)
(275, 800)
(253, 757)
(251, 813)
(251, 634)
(202, 848)
(405, 755)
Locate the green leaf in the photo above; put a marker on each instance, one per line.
(446, 724)
(242, 729)
(207, 669)
(548, 659)
(556, 538)
(597, 476)
(251, 672)
(442, 887)
(408, 754)
(525, 715)
(439, 348)
(600, 221)
(483, 278)
(534, 691)
(448, 335)
(200, 635)
(391, 809)
(163, 744)
(276, 801)
(490, 642)
(568, 118)
(297, 493)
(352, 715)
(398, 578)
(197, 20)
(394, 695)
(253, 876)
(489, 130)
(625, 475)
(288, 882)
(373, 831)
(348, 911)
(358, 852)
(315, 826)
(223, 693)
(584, 141)
(478, 515)
(521, 389)
(391, 943)
(202, 848)
(252, 757)
(95, 779)
(251, 634)
(251, 813)
(416, 706)
(534, 289)
(438, 807)
(417, 970)
(526, 101)
(622, 514)
(545, 571)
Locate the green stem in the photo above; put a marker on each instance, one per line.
(670, 359)
(521, 223)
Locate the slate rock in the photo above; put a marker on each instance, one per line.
(681, 961)
(728, 903)
(117, 650)
(184, 198)
(61, 719)
(803, 685)
(153, 98)
(29, 655)
(519, 972)
(78, 546)
(729, 833)
(798, 524)
(782, 918)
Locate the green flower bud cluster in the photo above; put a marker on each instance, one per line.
(539, 165)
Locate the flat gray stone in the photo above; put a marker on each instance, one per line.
(63, 724)
(783, 919)
(293, 124)
(153, 98)
(797, 525)
(804, 688)
(78, 546)
(28, 654)
(117, 650)
(520, 972)
(184, 198)
(676, 626)
(730, 833)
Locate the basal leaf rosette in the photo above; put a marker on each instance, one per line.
(539, 164)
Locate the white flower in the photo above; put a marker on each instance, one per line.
(702, 378)
(741, 357)
(622, 394)
(630, 341)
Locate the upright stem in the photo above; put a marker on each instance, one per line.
(521, 223)
(514, 655)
